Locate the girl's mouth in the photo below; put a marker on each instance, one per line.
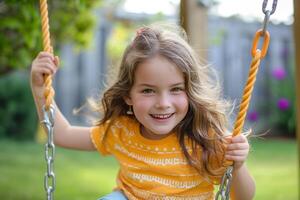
(161, 116)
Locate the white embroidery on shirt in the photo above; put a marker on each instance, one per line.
(166, 182)
(153, 161)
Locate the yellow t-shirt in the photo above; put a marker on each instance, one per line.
(149, 169)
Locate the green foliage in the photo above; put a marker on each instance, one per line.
(20, 28)
(279, 112)
(18, 118)
(20, 41)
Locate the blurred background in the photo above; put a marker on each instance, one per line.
(90, 36)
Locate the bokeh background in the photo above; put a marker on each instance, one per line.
(90, 36)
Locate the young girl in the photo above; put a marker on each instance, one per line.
(163, 120)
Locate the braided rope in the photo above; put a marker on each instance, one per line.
(257, 55)
(49, 91)
(239, 122)
(247, 93)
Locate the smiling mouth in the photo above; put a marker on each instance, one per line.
(161, 116)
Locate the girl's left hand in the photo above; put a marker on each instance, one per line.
(237, 150)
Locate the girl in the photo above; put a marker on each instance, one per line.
(163, 120)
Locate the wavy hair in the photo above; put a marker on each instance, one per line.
(206, 120)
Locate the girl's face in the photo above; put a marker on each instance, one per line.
(158, 97)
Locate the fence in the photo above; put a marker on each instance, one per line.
(230, 43)
(229, 53)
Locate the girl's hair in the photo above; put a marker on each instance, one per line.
(205, 123)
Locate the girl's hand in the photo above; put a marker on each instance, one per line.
(44, 64)
(237, 150)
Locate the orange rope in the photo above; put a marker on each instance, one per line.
(257, 55)
(49, 91)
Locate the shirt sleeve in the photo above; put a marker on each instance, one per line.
(98, 137)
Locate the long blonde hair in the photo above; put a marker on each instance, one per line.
(205, 123)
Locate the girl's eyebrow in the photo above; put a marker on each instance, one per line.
(178, 84)
(146, 85)
(150, 85)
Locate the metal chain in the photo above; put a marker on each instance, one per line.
(224, 189)
(264, 6)
(49, 179)
(267, 13)
(223, 192)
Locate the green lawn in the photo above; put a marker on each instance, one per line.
(85, 175)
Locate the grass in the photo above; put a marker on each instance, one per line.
(274, 166)
(86, 175)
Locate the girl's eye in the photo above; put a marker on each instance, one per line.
(177, 89)
(147, 91)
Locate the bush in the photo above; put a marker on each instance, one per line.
(18, 117)
(20, 41)
(281, 110)
(20, 29)
(283, 115)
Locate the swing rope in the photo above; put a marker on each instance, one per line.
(48, 108)
(49, 91)
(257, 55)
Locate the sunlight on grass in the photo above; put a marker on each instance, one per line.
(87, 175)
(273, 164)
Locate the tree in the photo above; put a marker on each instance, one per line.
(20, 41)
(297, 57)
(20, 28)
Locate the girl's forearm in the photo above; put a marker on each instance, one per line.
(243, 185)
(61, 124)
(65, 135)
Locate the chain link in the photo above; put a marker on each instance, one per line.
(224, 189)
(266, 21)
(264, 6)
(267, 13)
(49, 179)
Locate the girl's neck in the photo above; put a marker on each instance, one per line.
(152, 136)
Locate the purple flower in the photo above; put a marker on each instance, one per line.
(252, 116)
(283, 104)
(279, 73)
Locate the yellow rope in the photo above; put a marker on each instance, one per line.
(247, 93)
(49, 91)
(257, 55)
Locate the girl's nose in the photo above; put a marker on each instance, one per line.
(163, 101)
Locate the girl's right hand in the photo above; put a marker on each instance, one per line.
(44, 64)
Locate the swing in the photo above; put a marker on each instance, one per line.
(48, 108)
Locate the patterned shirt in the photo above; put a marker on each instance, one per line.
(150, 169)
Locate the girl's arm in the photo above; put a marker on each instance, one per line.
(65, 135)
(243, 185)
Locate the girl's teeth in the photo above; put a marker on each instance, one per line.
(165, 116)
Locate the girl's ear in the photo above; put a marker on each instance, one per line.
(128, 100)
